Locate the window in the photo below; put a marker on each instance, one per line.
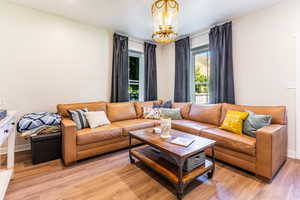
(136, 78)
(200, 81)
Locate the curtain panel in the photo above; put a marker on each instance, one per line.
(182, 91)
(221, 84)
(150, 72)
(119, 91)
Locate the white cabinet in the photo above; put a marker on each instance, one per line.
(7, 133)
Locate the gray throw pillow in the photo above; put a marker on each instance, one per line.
(167, 104)
(172, 113)
(79, 118)
(255, 122)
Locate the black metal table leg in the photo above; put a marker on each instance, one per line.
(211, 173)
(130, 146)
(180, 186)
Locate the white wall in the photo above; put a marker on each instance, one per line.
(46, 60)
(166, 71)
(264, 59)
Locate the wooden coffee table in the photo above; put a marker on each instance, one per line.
(174, 173)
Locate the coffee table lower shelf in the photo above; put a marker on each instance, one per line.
(152, 159)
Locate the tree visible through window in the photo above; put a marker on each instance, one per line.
(134, 78)
(201, 60)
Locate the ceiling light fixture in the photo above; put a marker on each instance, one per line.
(165, 20)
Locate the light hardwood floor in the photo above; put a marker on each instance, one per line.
(112, 177)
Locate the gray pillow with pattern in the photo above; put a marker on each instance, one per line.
(170, 113)
(255, 122)
(79, 118)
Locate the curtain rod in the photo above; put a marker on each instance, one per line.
(206, 31)
(136, 40)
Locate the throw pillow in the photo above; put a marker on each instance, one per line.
(96, 119)
(255, 122)
(79, 118)
(167, 104)
(233, 121)
(151, 113)
(172, 113)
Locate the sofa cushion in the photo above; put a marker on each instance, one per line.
(135, 124)
(240, 143)
(278, 113)
(140, 104)
(209, 113)
(121, 111)
(91, 135)
(184, 109)
(190, 126)
(62, 109)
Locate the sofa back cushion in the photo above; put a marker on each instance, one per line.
(121, 111)
(209, 113)
(184, 109)
(278, 113)
(140, 104)
(62, 109)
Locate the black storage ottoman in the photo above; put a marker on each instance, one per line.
(45, 147)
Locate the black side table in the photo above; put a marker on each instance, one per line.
(45, 147)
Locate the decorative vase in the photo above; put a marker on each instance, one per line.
(165, 128)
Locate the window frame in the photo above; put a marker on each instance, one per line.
(195, 51)
(140, 56)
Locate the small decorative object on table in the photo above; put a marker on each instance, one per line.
(3, 112)
(157, 130)
(165, 128)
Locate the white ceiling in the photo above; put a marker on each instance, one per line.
(134, 16)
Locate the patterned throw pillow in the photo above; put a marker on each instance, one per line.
(255, 122)
(233, 121)
(170, 113)
(151, 113)
(79, 118)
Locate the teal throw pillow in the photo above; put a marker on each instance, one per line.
(255, 122)
(172, 113)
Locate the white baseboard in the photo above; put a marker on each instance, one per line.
(18, 148)
(291, 154)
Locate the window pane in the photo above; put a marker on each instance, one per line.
(133, 68)
(133, 78)
(202, 65)
(134, 92)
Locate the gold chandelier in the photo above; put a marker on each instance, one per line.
(165, 19)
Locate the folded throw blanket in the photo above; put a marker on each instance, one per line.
(40, 131)
(35, 120)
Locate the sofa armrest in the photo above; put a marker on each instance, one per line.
(69, 148)
(271, 150)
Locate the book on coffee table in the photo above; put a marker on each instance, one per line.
(182, 141)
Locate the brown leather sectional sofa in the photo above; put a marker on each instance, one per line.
(263, 155)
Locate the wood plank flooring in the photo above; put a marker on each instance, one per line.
(112, 177)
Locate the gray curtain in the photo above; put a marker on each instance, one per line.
(182, 70)
(221, 86)
(150, 72)
(119, 91)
